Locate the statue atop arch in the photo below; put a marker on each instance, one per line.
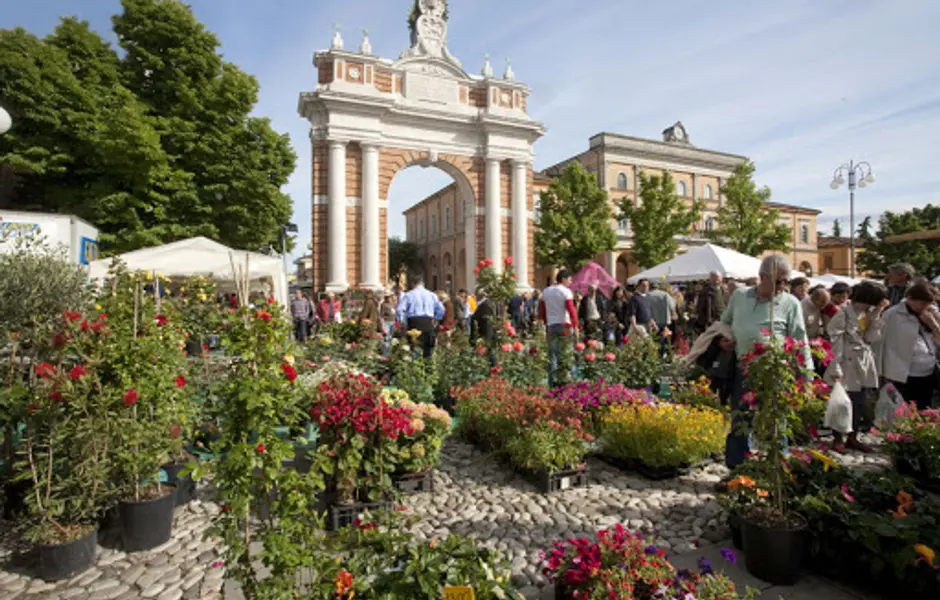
(428, 25)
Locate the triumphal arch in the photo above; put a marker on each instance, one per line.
(371, 117)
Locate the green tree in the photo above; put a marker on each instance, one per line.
(836, 228)
(657, 219)
(151, 147)
(864, 230)
(574, 220)
(402, 256)
(923, 255)
(745, 223)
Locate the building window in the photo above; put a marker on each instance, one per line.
(622, 182)
(709, 223)
(707, 192)
(804, 234)
(421, 229)
(433, 224)
(447, 219)
(680, 189)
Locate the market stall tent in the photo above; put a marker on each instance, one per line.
(696, 264)
(201, 256)
(593, 274)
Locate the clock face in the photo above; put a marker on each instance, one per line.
(506, 97)
(679, 133)
(354, 72)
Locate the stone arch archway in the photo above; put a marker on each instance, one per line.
(370, 118)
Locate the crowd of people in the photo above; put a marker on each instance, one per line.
(879, 333)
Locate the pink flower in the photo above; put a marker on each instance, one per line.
(590, 357)
(517, 346)
(845, 493)
(610, 357)
(508, 261)
(579, 347)
(750, 399)
(506, 347)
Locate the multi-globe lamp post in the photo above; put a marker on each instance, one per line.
(859, 175)
(5, 121)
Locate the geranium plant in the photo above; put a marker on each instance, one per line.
(913, 441)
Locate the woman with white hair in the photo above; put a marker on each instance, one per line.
(748, 315)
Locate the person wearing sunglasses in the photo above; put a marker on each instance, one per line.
(748, 315)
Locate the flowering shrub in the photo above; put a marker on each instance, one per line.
(597, 362)
(662, 434)
(411, 372)
(520, 364)
(500, 287)
(361, 434)
(821, 351)
(913, 441)
(595, 397)
(537, 433)
(200, 314)
(622, 564)
(430, 425)
(696, 393)
(639, 362)
(457, 364)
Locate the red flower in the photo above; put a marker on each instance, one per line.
(130, 397)
(261, 449)
(517, 346)
(175, 431)
(508, 261)
(289, 371)
(476, 270)
(56, 396)
(270, 299)
(481, 350)
(533, 350)
(85, 326)
(71, 317)
(579, 347)
(59, 340)
(226, 507)
(32, 408)
(496, 370)
(263, 315)
(161, 320)
(180, 381)
(103, 317)
(44, 370)
(77, 372)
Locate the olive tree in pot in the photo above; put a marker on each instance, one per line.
(66, 452)
(144, 371)
(774, 536)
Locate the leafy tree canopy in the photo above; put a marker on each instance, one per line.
(836, 228)
(403, 256)
(574, 220)
(152, 146)
(923, 255)
(745, 223)
(657, 219)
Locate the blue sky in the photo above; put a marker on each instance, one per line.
(800, 86)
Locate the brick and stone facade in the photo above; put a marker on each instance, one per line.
(370, 118)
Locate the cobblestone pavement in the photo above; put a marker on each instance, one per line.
(475, 495)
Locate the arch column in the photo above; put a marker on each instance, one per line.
(336, 223)
(371, 278)
(520, 229)
(470, 244)
(493, 245)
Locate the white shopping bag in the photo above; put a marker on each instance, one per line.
(839, 410)
(888, 401)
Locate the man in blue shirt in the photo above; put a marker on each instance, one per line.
(418, 309)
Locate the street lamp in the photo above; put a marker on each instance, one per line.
(859, 175)
(285, 229)
(5, 121)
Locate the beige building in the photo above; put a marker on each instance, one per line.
(617, 160)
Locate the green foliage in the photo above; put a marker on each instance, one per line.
(403, 256)
(659, 216)
(574, 220)
(500, 286)
(745, 223)
(640, 362)
(836, 228)
(411, 373)
(38, 284)
(923, 255)
(542, 446)
(457, 364)
(199, 311)
(109, 139)
(864, 230)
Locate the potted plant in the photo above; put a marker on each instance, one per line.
(774, 535)
(199, 313)
(142, 368)
(65, 452)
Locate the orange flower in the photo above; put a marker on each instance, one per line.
(762, 493)
(925, 554)
(742, 481)
(344, 583)
(899, 513)
(905, 501)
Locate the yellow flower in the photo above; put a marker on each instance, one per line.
(289, 359)
(924, 553)
(97, 307)
(414, 333)
(825, 460)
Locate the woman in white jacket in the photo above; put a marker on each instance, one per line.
(852, 332)
(907, 353)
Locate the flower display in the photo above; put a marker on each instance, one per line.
(912, 439)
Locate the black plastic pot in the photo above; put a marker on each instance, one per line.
(774, 555)
(734, 523)
(194, 347)
(185, 486)
(62, 561)
(14, 499)
(148, 523)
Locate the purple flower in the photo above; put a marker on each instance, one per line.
(705, 566)
(651, 550)
(729, 555)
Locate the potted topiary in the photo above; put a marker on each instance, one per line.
(143, 368)
(774, 536)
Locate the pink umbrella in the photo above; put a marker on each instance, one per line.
(593, 273)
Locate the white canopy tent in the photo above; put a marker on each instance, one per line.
(698, 263)
(201, 256)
